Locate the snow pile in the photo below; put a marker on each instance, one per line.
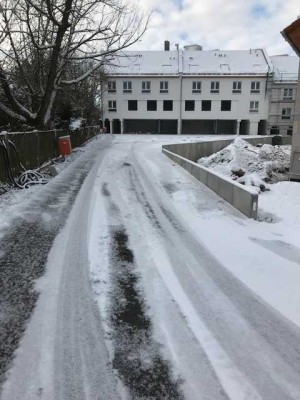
(250, 165)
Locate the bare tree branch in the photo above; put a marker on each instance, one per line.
(52, 44)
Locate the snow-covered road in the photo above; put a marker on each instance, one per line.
(193, 301)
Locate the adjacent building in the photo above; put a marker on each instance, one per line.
(194, 91)
(283, 94)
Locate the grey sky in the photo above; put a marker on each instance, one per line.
(219, 24)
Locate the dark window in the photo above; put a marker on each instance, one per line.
(127, 87)
(206, 105)
(255, 87)
(214, 87)
(274, 130)
(196, 87)
(237, 87)
(168, 105)
(146, 87)
(111, 87)
(189, 105)
(132, 105)
(151, 105)
(164, 86)
(254, 106)
(225, 105)
(288, 94)
(286, 113)
(112, 105)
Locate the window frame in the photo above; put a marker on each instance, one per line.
(238, 88)
(145, 89)
(127, 86)
(111, 89)
(112, 105)
(196, 86)
(255, 87)
(286, 113)
(215, 87)
(164, 87)
(287, 96)
(254, 108)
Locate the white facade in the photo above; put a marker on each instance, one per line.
(190, 92)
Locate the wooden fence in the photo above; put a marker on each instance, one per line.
(36, 147)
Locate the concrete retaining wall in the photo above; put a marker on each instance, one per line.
(194, 151)
(243, 198)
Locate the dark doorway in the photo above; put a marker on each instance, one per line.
(141, 126)
(116, 128)
(244, 127)
(107, 125)
(262, 127)
(168, 126)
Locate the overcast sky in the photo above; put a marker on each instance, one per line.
(219, 24)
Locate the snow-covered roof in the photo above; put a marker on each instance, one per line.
(285, 67)
(225, 62)
(145, 62)
(249, 62)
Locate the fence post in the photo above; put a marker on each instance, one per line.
(7, 145)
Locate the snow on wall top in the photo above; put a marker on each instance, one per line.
(285, 67)
(191, 62)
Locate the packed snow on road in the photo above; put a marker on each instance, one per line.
(152, 286)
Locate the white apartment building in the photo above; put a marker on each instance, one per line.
(283, 94)
(188, 91)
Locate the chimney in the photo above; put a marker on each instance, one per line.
(167, 45)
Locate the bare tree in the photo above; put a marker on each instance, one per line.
(42, 41)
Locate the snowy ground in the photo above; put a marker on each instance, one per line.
(196, 301)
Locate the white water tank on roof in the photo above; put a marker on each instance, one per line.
(193, 47)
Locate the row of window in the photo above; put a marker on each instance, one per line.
(189, 105)
(196, 87)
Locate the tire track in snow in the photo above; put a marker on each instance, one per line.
(136, 356)
(26, 247)
(123, 192)
(268, 333)
(24, 251)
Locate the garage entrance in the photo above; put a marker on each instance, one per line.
(140, 126)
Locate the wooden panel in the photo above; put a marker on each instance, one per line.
(292, 35)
